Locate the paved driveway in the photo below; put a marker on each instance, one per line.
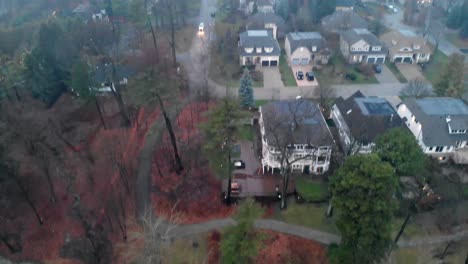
(304, 69)
(252, 163)
(386, 76)
(411, 71)
(271, 77)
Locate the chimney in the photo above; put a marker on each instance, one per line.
(448, 119)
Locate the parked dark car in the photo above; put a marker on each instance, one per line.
(310, 76)
(378, 68)
(300, 75)
(239, 164)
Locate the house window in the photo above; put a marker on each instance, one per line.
(439, 149)
(422, 55)
(314, 48)
(430, 148)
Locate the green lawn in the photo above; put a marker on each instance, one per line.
(465, 191)
(455, 39)
(395, 71)
(259, 103)
(360, 78)
(246, 132)
(337, 69)
(287, 75)
(312, 190)
(438, 62)
(308, 215)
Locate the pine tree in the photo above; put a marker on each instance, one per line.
(245, 90)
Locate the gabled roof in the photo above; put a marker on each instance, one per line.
(259, 20)
(367, 117)
(298, 121)
(354, 35)
(306, 39)
(343, 20)
(398, 39)
(258, 39)
(433, 114)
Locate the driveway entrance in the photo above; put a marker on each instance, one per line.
(271, 77)
(386, 76)
(411, 71)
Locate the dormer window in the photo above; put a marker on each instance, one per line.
(268, 49)
(314, 48)
(258, 50)
(248, 50)
(394, 42)
(416, 47)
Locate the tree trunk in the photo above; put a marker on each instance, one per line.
(28, 200)
(153, 34)
(177, 160)
(228, 197)
(402, 228)
(330, 208)
(173, 42)
(100, 113)
(118, 97)
(7, 243)
(285, 189)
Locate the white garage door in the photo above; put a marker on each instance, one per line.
(296, 61)
(304, 61)
(371, 60)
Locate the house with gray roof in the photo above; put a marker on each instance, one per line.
(360, 120)
(268, 21)
(306, 47)
(359, 45)
(406, 47)
(341, 20)
(258, 47)
(440, 126)
(300, 126)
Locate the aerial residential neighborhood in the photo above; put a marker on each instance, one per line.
(234, 131)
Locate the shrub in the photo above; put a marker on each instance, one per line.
(257, 76)
(366, 70)
(351, 76)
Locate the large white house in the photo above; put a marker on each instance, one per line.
(306, 47)
(258, 47)
(299, 125)
(361, 46)
(440, 126)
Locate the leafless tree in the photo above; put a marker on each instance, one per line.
(156, 236)
(416, 88)
(325, 94)
(285, 129)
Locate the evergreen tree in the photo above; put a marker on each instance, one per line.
(454, 20)
(255, 8)
(362, 194)
(464, 30)
(245, 90)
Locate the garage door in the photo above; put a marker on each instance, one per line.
(398, 59)
(380, 60)
(265, 63)
(371, 60)
(296, 61)
(407, 60)
(273, 63)
(304, 61)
